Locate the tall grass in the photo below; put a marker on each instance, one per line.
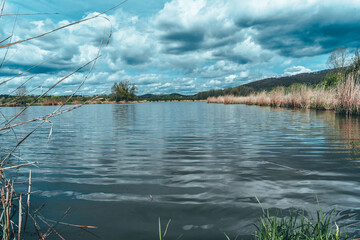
(298, 226)
(343, 98)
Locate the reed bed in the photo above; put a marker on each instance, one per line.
(343, 98)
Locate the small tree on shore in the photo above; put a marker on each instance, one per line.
(123, 91)
(342, 66)
(356, 64)
(338, 62)
(338, 59)
(21, 93)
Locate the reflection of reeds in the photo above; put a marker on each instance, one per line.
(350, 133)
(344, 98)
(15, 214)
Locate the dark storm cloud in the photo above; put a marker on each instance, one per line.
(134, 56)
(226, 54)
(48, 68)
(134, 60)
(183, 41)
(21, 68)
(205, 39)
(307, 33)
(6, 74)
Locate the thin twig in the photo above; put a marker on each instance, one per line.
(27, 203)
(167, 226)
(43, 118)
(5, 39)
(62, 79)
(20, 219)
(20, 85)
(2, 8)
(37, 228)
(51, 228)
(17, 166)
(27, 70)
(73, 225)
(7, 49)
(65, 26)
(84, 79)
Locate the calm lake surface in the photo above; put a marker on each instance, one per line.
(203, 164)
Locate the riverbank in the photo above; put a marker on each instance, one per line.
(343, 98)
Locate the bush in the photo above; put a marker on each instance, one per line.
(332, 79)
(123, 91)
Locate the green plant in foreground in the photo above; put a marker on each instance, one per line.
(162, 235)
(298, 226)
(227, 237)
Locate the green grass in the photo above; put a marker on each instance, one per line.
(298, 226)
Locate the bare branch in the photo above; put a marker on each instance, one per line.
(20, 112)
(2, 7)
(65, 26)
(5, 39)
(84, 79)
(18, 166)
(21, 85)
(7, 49)
(1, 83)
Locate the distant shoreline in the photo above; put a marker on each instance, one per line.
(55, 103)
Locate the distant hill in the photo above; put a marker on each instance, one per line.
(147, 96)
(243, 90)
(267, 84)
(166, 97)
(303, 78)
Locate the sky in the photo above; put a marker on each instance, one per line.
(168, 46)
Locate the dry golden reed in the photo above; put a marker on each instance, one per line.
(344, 98)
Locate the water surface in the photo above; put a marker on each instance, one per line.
(203, 165)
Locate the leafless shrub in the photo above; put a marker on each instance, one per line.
(15, 211)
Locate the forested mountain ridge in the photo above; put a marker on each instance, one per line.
(267, 84)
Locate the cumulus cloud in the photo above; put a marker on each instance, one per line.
(302, 28)
(187, 46)
(296, 70)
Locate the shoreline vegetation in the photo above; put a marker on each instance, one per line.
(344, 98)
(339, 91)
(297, 224)
(7, 101)
(293, 224)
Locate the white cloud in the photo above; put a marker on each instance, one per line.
(230, 79)
(215, 82)
(296, 70)
(188, 46)
(244, 74)
(286, 63)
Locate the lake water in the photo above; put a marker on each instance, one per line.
(203, 165)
